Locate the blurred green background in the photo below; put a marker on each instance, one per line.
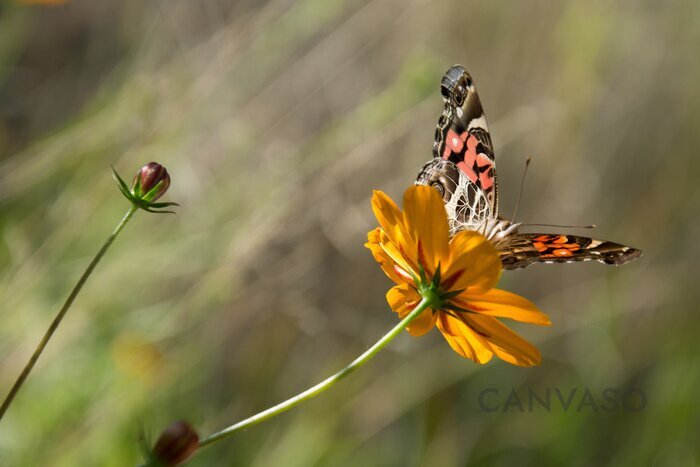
(276, 119)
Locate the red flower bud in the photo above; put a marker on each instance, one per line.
(151, 182)
(176, 444)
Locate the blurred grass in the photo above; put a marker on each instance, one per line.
(276, 120)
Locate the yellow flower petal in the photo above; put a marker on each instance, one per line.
(463, 340)
(425, 217)
(504, 355)
(398, 254)
(421, 325)
(380, 256)
(403, 299)
(391, 220)
(501, 303)
(474, 263)
(503, 339)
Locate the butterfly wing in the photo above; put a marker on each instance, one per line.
(463, 168)
(522, 250)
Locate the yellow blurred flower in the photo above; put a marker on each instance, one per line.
(414, 249)
(137, 357)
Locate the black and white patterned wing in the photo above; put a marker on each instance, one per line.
(524, 249)
(463, 168)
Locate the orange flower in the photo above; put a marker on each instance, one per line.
(414, 249)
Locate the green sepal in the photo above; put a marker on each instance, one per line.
(151, 193)
(156, 212)
(123, 187)
(454, 293)
(136, 189)
(423, 276)
(436, 278)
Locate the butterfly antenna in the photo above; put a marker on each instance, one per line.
(592, 226)
(522, 185)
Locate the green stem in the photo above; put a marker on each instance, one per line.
(325, 384)
(62, 312)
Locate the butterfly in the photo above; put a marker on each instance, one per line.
(463, 170)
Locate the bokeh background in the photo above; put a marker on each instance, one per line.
(276, 120)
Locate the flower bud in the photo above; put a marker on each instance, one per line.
(151, 182)
(176, 444)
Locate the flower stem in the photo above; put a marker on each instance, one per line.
(325, 384)
(62, 312)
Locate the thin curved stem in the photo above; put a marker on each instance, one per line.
(62, 312)
(323, 385)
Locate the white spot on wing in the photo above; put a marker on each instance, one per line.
(478, 123)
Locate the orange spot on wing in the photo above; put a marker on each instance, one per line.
(542, 238)
(486, 181)
(482, 160)
(467, 170)
(467, 165)
(539, 246)
(562, 253)
(470, 154)
(560, 239)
